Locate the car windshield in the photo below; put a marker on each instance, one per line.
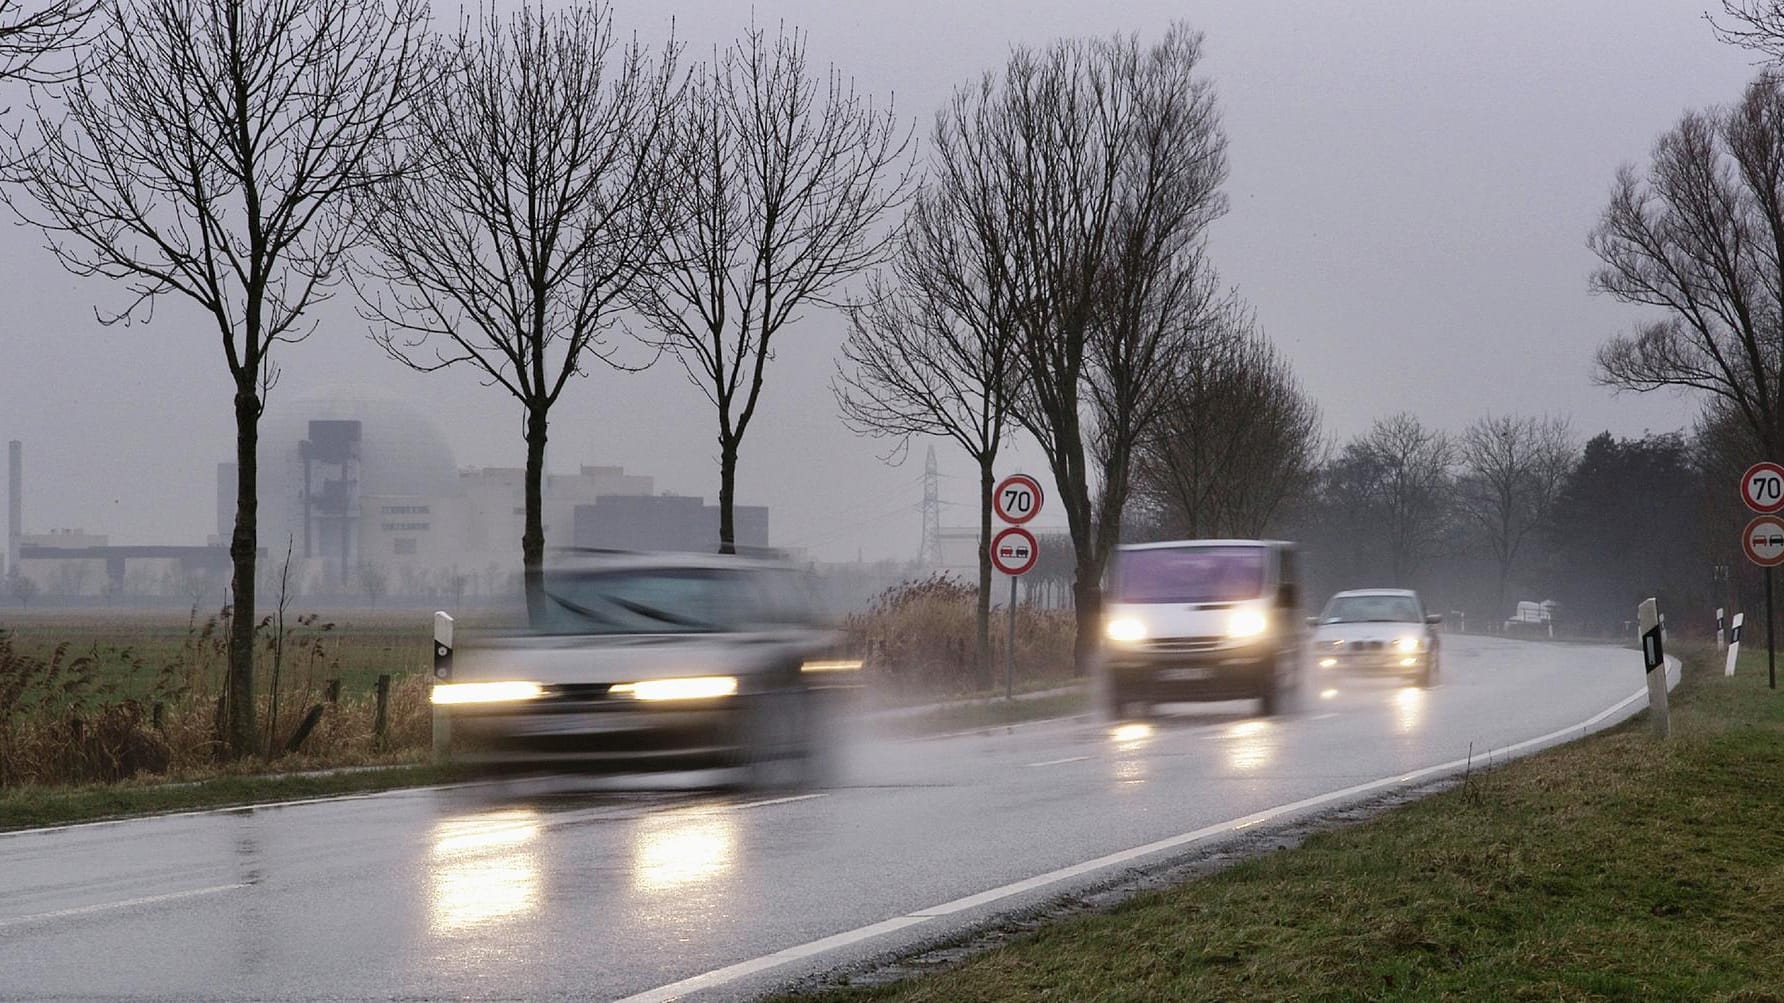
(668, 601)
(1189, 574)
(1372, 609)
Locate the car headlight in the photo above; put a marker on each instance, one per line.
(1408, 644)
(688, 688)
(498, 692)
(1125, 630)
(1327, 663)
(1247, 623)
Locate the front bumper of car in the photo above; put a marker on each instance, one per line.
(1379, 660)
(589, 727)
(1175, 669)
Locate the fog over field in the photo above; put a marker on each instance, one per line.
(1412, 184)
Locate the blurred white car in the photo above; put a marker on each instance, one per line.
(652, 661)
(1378, 631)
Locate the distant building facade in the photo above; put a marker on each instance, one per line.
(664, 522)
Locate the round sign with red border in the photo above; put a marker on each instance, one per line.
(1762, 487)
(1763, 541)
(1014, 551)
(1017, 499)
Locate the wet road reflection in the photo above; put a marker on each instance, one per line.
(682, 848)
(1409, 709)
(1251, 745)
(484, 869)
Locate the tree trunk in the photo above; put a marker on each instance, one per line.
(1087, 596)
(239, 729)
(727, 496)
(532, 537)
(982, 658)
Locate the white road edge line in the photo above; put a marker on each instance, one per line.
(744, 969)
(1058, 762)
(770, 801)
(44, 917)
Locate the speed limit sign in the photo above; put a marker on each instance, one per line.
(1017, 499)
(1762, 487)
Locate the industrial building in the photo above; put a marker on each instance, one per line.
(363, 492)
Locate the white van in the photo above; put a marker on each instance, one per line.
(1198, 620)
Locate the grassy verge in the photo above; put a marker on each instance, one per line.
(990, 714)
(32, 807)
(1615, 868)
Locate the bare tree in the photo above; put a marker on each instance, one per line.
(536, 206)
(1412, 494)
(1701, 238)
(1238, 438)
(1513, 470)
(31, 30)
(1752, 24)
(1111, 157)
(785, 181)
(937, 353)
(209, 149)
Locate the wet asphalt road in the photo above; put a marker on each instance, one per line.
(569, 889)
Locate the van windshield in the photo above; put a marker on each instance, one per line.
(1189, 575)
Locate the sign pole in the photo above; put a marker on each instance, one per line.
(1771, 647)
(1010, 662)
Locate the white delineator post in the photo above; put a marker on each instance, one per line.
(442, 673)
(1654, 658)
(1734, 643)
(1721, 640)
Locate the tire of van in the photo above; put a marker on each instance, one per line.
(1270, 698)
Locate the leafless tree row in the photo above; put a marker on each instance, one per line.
(1239, 438)
(513, 185)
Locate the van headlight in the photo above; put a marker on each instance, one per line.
(1125, 630)
(1246, 624)
(498, 692)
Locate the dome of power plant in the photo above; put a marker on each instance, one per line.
(400, 450)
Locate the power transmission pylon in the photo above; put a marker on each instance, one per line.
(930, 553)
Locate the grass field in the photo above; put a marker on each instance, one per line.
(1620, 867)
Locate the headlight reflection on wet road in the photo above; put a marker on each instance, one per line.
(483, 869)
(1409, 709)
(676, 850)
(1251, 745)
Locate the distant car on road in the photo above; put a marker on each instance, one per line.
(1382, 631)
(652, 661)
(1202, 620)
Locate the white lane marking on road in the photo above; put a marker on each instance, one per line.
(44, 917)
(785, 800)
(744, 969)
(1057, 762)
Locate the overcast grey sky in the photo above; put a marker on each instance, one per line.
(1412, 185)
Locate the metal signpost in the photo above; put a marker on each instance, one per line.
(1762, 490)
(1014, 551)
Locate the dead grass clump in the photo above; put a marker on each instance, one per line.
(919, 637)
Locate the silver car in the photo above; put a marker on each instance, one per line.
(1378, 631)
(652, 661)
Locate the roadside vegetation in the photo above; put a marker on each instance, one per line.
(918, 641)
(1618, 867)
(118, 712)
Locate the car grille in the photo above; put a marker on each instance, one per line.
(1366, 645)
(1182, 645)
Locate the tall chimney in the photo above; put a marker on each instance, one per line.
(15, 500)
